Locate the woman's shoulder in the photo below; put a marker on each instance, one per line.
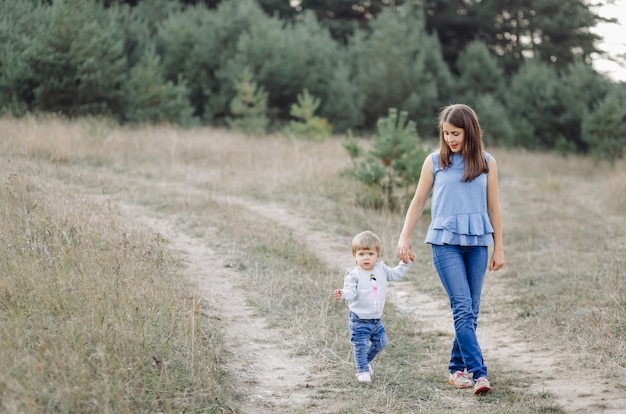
(433, 158)
(490, 158)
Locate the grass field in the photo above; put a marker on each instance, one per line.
(98, 316)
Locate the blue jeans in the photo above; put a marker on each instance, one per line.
(462, 270)
(368, 336)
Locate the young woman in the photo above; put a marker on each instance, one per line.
(466, 219)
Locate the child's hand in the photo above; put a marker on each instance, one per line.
(411, 256)
(337, 294)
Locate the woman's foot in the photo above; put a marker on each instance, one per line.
(460, 380)
(482, 386)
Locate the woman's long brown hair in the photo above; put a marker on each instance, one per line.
(462, 116)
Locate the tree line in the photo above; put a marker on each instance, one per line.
(524, 65)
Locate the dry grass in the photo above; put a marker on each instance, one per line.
(93, 319)
(566, 237)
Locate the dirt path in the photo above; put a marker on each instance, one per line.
(269, 375)
(540, 370)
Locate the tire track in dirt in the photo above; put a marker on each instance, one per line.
(538, 370)
(266, 375)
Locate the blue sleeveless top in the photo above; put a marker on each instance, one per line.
(458, 208)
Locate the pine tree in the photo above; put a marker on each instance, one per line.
(150, 98)
(392, 165)
(308, 124)
(536, 105)
(77, 59)
(604, 129)
(249, 106)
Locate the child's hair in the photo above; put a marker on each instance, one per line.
(462, 116)
(365, 240)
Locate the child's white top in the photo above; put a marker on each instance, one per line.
(365, 290)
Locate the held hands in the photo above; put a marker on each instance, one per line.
(405, 252)
(411, 256)
(337, 294)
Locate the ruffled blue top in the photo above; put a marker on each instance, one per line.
(459, 209)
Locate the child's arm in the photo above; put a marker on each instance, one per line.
(399, 271)
(350, 283)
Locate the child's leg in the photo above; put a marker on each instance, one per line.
(360, 333)
(378, 340)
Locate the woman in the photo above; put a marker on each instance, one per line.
(466, 219)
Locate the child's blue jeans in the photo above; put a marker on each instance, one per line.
(462, 270)
(368, 336)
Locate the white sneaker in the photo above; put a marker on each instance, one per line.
(482, 386)
(370, 370)
(364, 377)
(460, 380)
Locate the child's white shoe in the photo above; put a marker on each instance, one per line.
(364, 377)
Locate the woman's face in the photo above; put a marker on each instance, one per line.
(454, 137)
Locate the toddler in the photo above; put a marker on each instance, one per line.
(364, 289)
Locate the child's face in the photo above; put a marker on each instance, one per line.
(366, 259)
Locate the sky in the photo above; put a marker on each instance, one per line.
(614, 42)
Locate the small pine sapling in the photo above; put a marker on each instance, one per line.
(249, 106)
(308, 125)
(391, 168)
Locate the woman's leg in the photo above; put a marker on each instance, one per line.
(461, 270)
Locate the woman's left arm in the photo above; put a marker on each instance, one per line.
(495, 216)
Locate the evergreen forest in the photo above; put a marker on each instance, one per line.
(336, 66)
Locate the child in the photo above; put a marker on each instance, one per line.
(364, 288)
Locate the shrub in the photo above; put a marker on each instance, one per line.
(604, 128)
(249, 107)
(150, 98)
(344, 103)
(188, 41)
(76, 56)
(494, 120)
(584, 90)
(399, 65)
(308, 125)
(479, 71)
(286, 59)
(16, 78)
(392, 165)
(536, 106)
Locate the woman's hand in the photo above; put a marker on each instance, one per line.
(497, 260)
(405, 251)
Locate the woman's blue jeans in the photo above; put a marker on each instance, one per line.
(462, 270)
(368, 336)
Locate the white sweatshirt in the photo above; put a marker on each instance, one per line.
(365, 290)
